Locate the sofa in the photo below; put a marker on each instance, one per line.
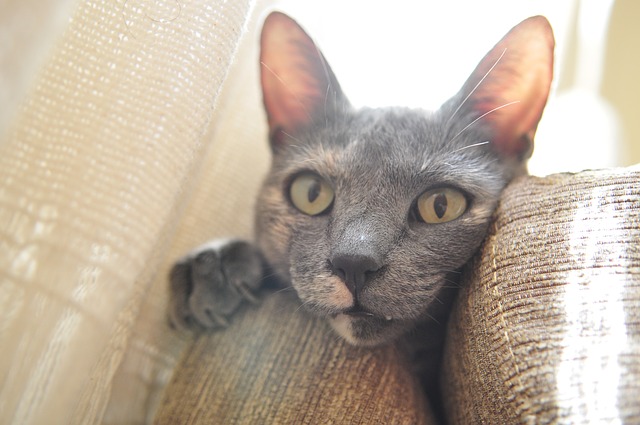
(545, 329)
(131, 133)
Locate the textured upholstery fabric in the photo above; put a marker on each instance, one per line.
(547, 326)
(277, 365)
(140, 135)
(95, 168)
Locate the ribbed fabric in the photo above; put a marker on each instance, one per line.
(140, 135)
(276, 365)
(547, 326)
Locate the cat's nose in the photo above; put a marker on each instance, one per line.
(354, 270)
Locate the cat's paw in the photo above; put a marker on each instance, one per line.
(208, 284)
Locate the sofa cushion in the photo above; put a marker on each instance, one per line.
(547, 325)
(277, 365)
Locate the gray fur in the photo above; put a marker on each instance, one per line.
(378, 162)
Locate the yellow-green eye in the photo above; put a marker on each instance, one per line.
(441, 205)
(311, 194)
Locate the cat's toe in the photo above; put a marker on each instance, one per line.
(209, 319)
(208, 285)
(242, 266)
(180, 319)
(245, 290)
(212, 312)
(180, 288)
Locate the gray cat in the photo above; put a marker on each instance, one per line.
(371, 214)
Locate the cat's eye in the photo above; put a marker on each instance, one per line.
(441, 205)
(311, 194)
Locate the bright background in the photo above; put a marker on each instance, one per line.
(419, 53)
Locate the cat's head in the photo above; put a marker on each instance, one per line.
(371, 213)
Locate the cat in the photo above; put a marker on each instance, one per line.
(371, 214)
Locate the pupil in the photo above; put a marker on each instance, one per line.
(314, 191)
(440, 205)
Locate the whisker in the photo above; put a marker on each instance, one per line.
(482, 116)
(432, 318)
(337, 339)
(285, 289)
(269, 275)
(486, 142)
(450, 281)
(326, 102)
(303, 304)
(291, 137)
(476, 87)
(327, 75)
(295, 95)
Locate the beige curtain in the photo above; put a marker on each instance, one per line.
(112, 110)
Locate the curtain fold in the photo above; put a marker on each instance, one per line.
(218, 202)
(92, 171)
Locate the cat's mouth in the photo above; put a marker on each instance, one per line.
(358, 312)
(364, 328)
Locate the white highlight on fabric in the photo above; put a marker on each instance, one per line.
(589, 373)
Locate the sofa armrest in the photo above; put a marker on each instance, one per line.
(276, 364)
(547, 326)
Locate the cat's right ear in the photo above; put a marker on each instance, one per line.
(509, 88)
(298, 87)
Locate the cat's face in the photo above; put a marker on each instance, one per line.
(370, 214)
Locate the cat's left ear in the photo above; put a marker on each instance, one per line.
(298, 87)
(509, 88)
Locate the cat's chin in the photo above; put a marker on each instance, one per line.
(365, 331)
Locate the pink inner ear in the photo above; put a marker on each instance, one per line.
(294, 75)
(512, 84)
